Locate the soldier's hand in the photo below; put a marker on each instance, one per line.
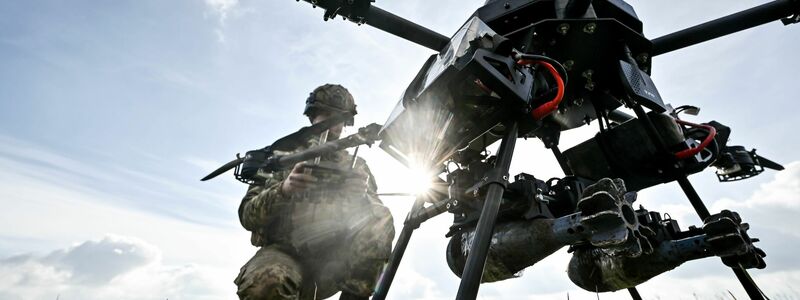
(298, 180)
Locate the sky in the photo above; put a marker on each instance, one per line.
(110, 112)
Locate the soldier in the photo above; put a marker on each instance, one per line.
(321, 230)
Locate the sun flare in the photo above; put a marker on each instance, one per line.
(418, 180)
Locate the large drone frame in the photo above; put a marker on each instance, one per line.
(362, 12)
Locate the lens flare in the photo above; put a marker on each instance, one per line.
(419, 181)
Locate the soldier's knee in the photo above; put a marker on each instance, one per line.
(269, 276)
(383, 226)
(271, 283)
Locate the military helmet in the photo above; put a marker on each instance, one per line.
(333, 98)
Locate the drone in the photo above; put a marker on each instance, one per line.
(533, 69)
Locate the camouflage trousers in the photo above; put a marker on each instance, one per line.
(315, 251)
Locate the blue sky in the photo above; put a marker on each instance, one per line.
(110, 112)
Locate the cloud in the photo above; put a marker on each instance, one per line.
(30, 171)
(114, 267)
(87, 263)
(222, 10)
(772, 212)
(53, 199)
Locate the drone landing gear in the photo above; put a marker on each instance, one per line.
(497, 180)
(418, 214)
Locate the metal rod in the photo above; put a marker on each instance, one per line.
(562, 161)
(634, 293)
(479, 249)
(694, 198)
(399, 250)
(619, 117)
(746, 19)
(406, 29)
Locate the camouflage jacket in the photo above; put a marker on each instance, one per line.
(271, 216)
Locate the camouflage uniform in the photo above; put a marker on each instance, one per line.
(318, 242)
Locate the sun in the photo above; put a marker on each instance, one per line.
(418, 180)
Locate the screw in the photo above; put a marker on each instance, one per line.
(563, 28)
(568, 65)
(642, 58)
(578, 102)
(507, 5)
(589, 28)
(588, 75)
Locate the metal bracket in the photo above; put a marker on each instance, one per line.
(495, 175)
(793, 19)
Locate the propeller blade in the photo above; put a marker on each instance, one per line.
(232, 164)
(766, 163)
(294, 139)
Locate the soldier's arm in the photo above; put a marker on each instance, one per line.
(256, 202)
(372, 185)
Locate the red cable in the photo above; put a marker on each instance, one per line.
(712, 132)
(549, 106)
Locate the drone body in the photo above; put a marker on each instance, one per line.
(534, 68)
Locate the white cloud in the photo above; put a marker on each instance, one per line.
(52, 199)
(113, 267)
(222, 8)
(89, 263)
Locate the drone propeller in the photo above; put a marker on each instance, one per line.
(290, 141)
(766, 163)
(224, 168)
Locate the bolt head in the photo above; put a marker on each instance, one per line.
(590, 28)
(569, 64)
(563, 28)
